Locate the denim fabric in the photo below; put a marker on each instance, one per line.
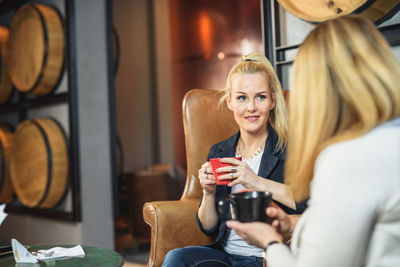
(243, 261)
(201, 256)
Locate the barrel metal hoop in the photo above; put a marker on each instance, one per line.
(364, 7)
(64, 195)
(388, 15)
(60, 76)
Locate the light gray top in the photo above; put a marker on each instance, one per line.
(233, 243)
(353, 218)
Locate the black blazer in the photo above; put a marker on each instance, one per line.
(271, 167)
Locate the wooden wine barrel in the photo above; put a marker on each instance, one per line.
(6, 88)
(36, 56)
(39, 163)
(6, 188)
(321, 10)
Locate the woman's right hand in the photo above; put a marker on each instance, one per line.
(281, 222)
(206, 178)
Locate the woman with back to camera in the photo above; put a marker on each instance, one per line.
(343, 152)
(254, 95)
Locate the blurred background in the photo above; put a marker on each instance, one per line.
(124, 67)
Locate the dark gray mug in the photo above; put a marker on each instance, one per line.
(247, 206)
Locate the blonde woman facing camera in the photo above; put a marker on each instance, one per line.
(254, 95)
(343, 152)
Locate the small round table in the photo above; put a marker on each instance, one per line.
(93, 257)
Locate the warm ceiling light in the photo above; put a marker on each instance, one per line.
(205, 29)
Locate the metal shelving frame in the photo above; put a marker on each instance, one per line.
(275, 51)
(24, 104)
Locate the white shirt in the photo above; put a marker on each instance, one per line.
(233, 243)
(353, 218)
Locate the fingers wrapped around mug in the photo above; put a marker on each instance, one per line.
(280, 221)
(222, 166)
(232, 170)
(206, 177)
(231, 166)
(238, 172)
(230, 176)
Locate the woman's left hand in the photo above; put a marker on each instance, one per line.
(240, 172)
(255, 233)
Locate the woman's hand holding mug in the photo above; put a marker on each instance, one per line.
(239, 173)
(282, 223)
(261, 234)
(206, 178)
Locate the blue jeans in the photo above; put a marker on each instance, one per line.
(201, 256)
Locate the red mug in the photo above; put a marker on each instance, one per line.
(215, 164)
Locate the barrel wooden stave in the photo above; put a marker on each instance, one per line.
(6, 188)
(6, 89)
(30, 163)
(59, 163)
(36, 49)
(322, 10)
(25, 62)
(28, 159)
(379, 9)
(55, 57)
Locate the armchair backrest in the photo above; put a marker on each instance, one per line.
(205, 123)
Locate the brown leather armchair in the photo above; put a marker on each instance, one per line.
(173, 223)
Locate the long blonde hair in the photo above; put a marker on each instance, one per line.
(258, 63)
(346, 81)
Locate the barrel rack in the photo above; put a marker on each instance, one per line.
(275, 51)
(22, 104)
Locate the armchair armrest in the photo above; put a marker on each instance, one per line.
(173, 225)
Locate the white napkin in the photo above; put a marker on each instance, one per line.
(22, 255)
(3, 215)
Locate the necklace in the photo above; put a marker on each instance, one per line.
(255, 153)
